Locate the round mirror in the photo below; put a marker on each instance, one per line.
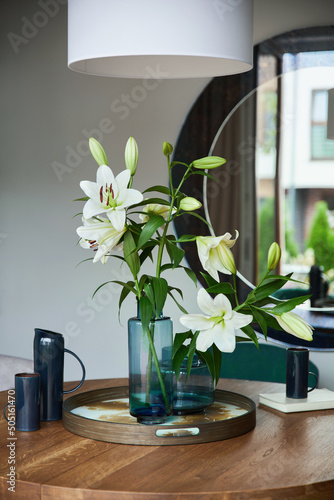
(277, 184)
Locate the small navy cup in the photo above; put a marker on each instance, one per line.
(25, 411)
(297, 372)
(49, 363)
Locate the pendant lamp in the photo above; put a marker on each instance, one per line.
(160, 38)
(330, 117)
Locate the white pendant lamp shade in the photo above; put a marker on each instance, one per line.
(330, 118)
(160, 38)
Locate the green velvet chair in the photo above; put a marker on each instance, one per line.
(267, 364)
(290, 293)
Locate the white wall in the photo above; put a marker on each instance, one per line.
(44, 110)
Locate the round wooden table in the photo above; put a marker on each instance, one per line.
(286, 456)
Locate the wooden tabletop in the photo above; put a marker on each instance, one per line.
(286, 456)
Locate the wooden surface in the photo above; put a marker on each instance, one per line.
(286, 456)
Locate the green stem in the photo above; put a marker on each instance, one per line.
(149, 369)
(240, 306)
(235, 290)
(163, 237)
(264, 277)
(152, 352)
(157, 366)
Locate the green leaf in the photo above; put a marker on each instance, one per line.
(176, 253)
(186, 237)
(124, 293)
(158, 189)
(225, 288)
(207, 358)
(267, 300)
(148, 289)
(178, 290)
(166, 267)
(205, 174)
(217, 359)
(150, 201)
(194, 214)
(146, 312)
(127, 285)
(248, 330)
(149, 229)
(178, 360)
(191, 274)
(85, 198)
(142, 281)
(259, 318)
(85, 260)
(289, 304)
(147, 252)
(286, 278)
(272, 321)
(174, 163)
(209, 280)
(266, 289)
(191, 352)
(160, 287)
(99, 287)
(76, 215)
(242, 339)
(179, 339)
(130, 254)
(177, 303)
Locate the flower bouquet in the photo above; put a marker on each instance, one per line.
(119, 223)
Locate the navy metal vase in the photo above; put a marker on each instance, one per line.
(49, 353)
(150, 370)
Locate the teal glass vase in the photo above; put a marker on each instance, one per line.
(195, 393)
(150, 370)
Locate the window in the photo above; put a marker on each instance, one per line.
(321, 147)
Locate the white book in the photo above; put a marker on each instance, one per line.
(319, 399)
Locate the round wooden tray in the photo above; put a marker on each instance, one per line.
(104, 415)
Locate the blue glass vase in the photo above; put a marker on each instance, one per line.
(195, 393)
(151, 370)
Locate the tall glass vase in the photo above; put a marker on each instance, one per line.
(151, 370)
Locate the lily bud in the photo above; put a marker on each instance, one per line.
(208, 162)
(131, 155)
(274, 255)
(167, 149)
(226, 258)
(294, 324)
(188, 204)
(98, 152)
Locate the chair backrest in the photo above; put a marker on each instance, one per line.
(267, 364)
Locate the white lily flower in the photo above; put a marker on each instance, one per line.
(155, 209)
(219, 325)
(111, 195)
(294, 324)
(215, 254)
(101, 236)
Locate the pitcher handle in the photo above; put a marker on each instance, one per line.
(316, 381)
(83, 372)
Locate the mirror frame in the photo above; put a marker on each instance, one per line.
(199, 130)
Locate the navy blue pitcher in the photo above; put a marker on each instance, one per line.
(49, 363)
